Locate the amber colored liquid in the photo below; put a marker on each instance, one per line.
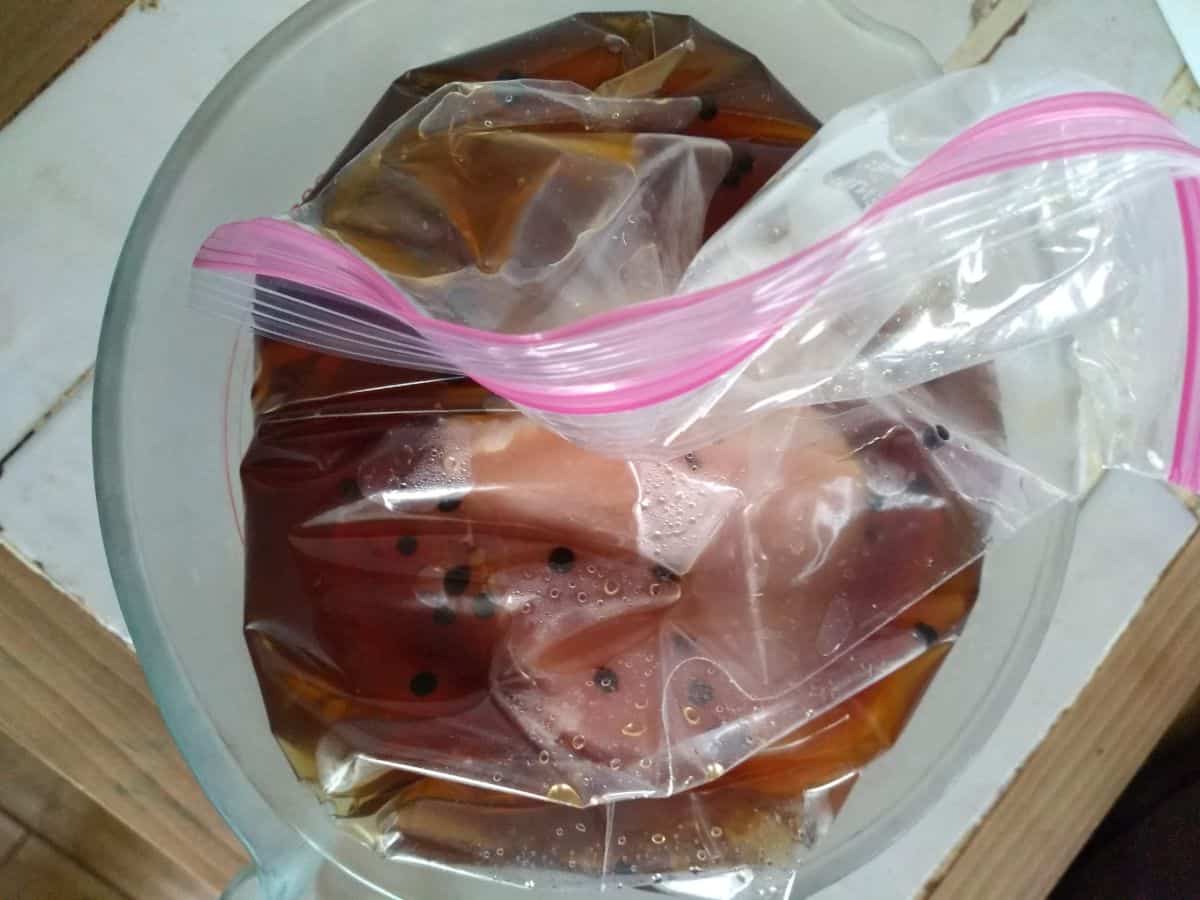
(342, 560)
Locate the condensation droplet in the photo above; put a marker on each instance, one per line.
(544, 757)
(581, 597)
(559, 831)
(577, 742)
(716, 831)
(640, 704)
(692, 715)
(611, 587)
(488, 123)
(554, 593)
(714, 770)
(497, 777)
(633, 729)
(644, 762)
(580, 827)
(614, 764)
(621, 840)
(658, 838)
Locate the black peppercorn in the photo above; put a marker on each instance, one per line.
(561, 560)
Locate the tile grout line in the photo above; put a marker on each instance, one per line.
(59, 402)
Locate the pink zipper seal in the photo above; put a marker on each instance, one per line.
(729, 322)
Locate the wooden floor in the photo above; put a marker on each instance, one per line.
(56, 844)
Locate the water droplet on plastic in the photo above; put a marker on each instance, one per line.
(582, 597)
(633, 729)
(580, 827)
(644, 762)
(577, 742)
(621, 840)
(559, 831)
(554, 593)
(611, 587)
(564, 793)
(497, 777)
(716, 831)
(614, 764)
(692, 715)
(658, 838)
(508, 98)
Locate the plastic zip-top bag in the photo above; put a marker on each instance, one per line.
(631, 474)
(1002, 209)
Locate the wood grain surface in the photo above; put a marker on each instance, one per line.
(73, 695)
(1068, 784)
(40, 802)
(40, 38)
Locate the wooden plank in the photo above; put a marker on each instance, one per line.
(1069, 783)
(75, 698)
(12, 835)
(37, 871)
(56, 811)
(40, 38)
(986, 36)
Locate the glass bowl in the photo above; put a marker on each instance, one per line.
(172, 418)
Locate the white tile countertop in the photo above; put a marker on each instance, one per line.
(74, 165)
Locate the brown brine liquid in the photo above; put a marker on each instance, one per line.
(415, 548)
